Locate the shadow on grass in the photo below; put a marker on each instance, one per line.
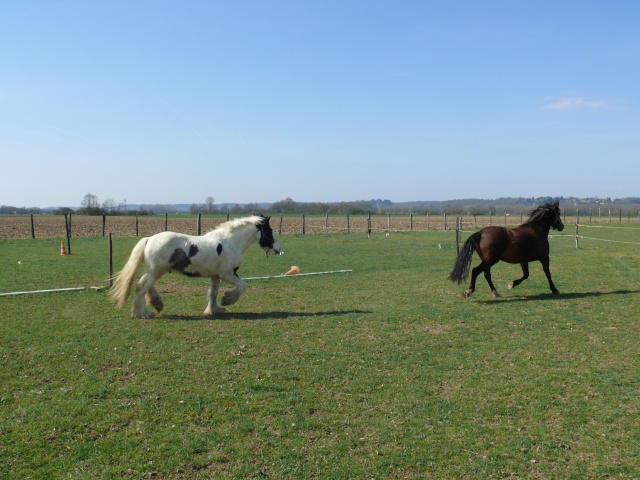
(564, 296)
(262, 316)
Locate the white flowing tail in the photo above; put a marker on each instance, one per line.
(123, 280)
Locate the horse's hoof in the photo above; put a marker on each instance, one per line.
(216, 311)
(555, 292)
(229, 298)
(495, 294)
(146, 315)
(511, 285)
(467, 293)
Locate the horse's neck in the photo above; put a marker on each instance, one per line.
(542, 227)
(245, 235)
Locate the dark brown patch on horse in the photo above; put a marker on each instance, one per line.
(180, 260)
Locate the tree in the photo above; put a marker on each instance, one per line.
(90, 205)
(89, 202)
(209, 203)
(109, 204)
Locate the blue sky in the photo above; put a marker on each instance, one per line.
(319, 101)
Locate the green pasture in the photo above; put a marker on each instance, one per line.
(384, 372)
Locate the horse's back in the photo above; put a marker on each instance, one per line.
(511, 245)
(168, 240)
(494, 237)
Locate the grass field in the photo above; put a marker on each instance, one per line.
(385, 372)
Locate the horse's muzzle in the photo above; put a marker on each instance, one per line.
(274, 249)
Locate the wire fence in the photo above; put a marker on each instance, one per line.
(62, 226)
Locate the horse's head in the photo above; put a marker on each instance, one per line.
(549, 213)
(267, 241)
(556, 218)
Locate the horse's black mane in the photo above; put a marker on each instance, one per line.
(539, 212)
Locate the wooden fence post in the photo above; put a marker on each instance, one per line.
(110, 246)
(577, 237)
(33, 230)
(411, 222)
(303, 225)
(67, 224)
(104, 222)
(348, 225)
(199, 225)
(280, 227)
(369, 225)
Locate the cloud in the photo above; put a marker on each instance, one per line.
(575, 103)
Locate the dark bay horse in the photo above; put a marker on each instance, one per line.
(526, 243)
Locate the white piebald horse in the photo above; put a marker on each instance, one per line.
(216, 255)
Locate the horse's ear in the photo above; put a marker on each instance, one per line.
(557, 204)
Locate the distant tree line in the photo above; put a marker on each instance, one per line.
(90, 205)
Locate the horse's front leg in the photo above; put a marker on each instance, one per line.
(525, 275)
(545, 267)
(231, 296)
(487, 275)
(212, 294)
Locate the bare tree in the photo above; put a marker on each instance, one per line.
(109, 204)
(209, 202)
(90, 201)
(90, 205)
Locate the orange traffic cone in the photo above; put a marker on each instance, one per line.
(63, 251)
(293, 270)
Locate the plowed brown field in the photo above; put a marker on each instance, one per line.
(53, 226)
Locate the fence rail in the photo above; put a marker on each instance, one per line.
(59, 226)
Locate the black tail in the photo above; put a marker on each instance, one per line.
(460, 271)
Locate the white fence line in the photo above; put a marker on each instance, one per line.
(602, 226)
(610, 241)
(576, 236)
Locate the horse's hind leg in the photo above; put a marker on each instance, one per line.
(487, 275)
(153, 299)
(144, 285)
(212, 293)
(525, 275)
(474, 275)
